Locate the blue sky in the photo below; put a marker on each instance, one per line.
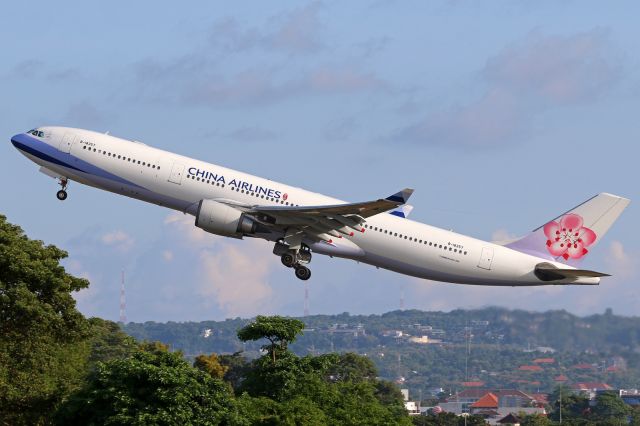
(501, 114)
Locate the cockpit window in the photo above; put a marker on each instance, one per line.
(36, 132)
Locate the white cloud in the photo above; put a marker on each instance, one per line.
(120, 240)
(295, 32)
(236, 278)
(232, 275)
(620, 262)
(184, 224)
(522, 81)
(167, 255)
(500, 235)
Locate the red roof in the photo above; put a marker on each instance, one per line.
(530, 368)
(591, 385)
(487, 401)
(469, 393)
(544, 361)
(542, 398)
(561, 378)
(583, 366)
(612, 369)
(473, 384)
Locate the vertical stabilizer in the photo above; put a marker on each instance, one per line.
(570, 236)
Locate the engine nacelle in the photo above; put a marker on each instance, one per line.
(220, 219)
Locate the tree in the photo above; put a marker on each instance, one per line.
(571, 404)
(535, 420)
(448, 419)
(210, 364)
(150, 388)
(236, 367)
(42, 334)
(279, 331)
(610, 407)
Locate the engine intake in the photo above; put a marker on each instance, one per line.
(220, 219)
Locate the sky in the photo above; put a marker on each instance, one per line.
(501, 115)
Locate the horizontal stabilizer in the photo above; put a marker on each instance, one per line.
(548, 272)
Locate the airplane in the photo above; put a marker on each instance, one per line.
(233, 204)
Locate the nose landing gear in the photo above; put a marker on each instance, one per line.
(62, 194)
(295, 259)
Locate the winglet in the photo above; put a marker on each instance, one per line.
(401, 197)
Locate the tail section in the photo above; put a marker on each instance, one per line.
(570, 236)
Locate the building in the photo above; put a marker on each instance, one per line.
(481, 401)
(411, 406)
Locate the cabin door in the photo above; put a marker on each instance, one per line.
(176, 173)
(486, 258)
(67, 141)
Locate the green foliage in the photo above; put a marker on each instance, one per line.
(42, 354)
(572, 405)
(279, 331)
(535, 420)
(343, 387)
(210, 364)
(610, 407)
(448, 419)
(150, 388)
(236, 367)
(497, 347)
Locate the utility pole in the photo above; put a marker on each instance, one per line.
(560, 404)
(123, 302)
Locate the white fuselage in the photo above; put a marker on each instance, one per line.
(178, 182)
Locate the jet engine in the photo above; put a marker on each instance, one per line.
(220, 219)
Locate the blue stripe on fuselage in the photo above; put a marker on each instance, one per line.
(46, 152)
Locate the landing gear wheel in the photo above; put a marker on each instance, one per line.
(303, 273)
(288, 260)
(62, 195)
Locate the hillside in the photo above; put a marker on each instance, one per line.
(426, 351)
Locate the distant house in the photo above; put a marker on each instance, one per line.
(411, 406)
(541, 399)
(475, 384)
(493, 404)
(561, 378)
(590, 388)
(486, 403)
(544, 361)
(583, 366)
(534, 368)
(510, 419)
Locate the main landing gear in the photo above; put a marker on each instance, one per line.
(62, 194)
(295, 259)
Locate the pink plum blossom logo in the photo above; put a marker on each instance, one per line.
(568, 238)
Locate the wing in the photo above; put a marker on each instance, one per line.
(323, 222)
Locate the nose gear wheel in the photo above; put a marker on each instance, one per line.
(62, 194)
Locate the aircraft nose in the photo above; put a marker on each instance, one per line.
(14, 140)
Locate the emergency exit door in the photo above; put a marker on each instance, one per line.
(67, 141)
(176, 173)
(486, 258)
